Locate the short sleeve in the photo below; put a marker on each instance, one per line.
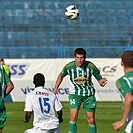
(64, 71)
(123, 87)
(58, 105)
(7, 79)
(28, 104)
(96, 71)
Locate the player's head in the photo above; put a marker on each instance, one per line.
(127, 59)
(80, 56)
(39, 80)
(80, 51)
(2, 61)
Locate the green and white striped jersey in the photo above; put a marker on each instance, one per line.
(125, 83)
(4, 78)
(81, 78)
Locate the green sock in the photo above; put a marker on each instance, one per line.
(72, 127)
(92, 128)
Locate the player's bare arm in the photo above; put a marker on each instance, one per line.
(27, 117)
(57, 84)
(9, 88)
(127, 108)
(102, 82)
(60, 114)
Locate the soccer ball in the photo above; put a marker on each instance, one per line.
(72, 12)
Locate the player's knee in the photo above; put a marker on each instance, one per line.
(73, 118)
(91, 121)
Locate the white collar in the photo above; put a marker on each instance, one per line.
(39, 87)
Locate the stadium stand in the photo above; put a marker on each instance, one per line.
(39, 29)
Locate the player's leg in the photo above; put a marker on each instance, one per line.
(58, 129)
(89, 105)
(91, 122)
(0, 130)
(74, 104)
(73, 120)
(2, 120)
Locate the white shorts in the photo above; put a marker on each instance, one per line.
(33, 130)
(129, 127)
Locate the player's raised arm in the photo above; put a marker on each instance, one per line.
(57, 84)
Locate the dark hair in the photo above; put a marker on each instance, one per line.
(1, 59)
(80, 51)
(39, 79)
(127, 58)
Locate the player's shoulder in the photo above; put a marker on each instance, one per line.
(1, 67)
(40, 91)
(89, 63)
(31, 93)
(120, 81)
(70, 64)
(118, 85)
(51, 95)
(5, 65)
(49, 91)
(29, 96)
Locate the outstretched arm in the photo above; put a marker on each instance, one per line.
(57, 84)
(127, 108)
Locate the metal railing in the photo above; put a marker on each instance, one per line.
(62, 51)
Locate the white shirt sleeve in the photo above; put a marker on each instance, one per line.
(28, 104)
(58, 105)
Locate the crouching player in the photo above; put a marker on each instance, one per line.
(42, 103)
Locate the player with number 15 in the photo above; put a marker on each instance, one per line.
(42, 103)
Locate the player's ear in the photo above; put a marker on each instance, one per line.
(122, 63)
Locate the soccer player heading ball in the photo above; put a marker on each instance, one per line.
(81, 89)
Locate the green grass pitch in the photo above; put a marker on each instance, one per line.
(106, 114)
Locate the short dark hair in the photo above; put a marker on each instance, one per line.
(1, 59)
(80, 51)
(39, 79)
(127, 58)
